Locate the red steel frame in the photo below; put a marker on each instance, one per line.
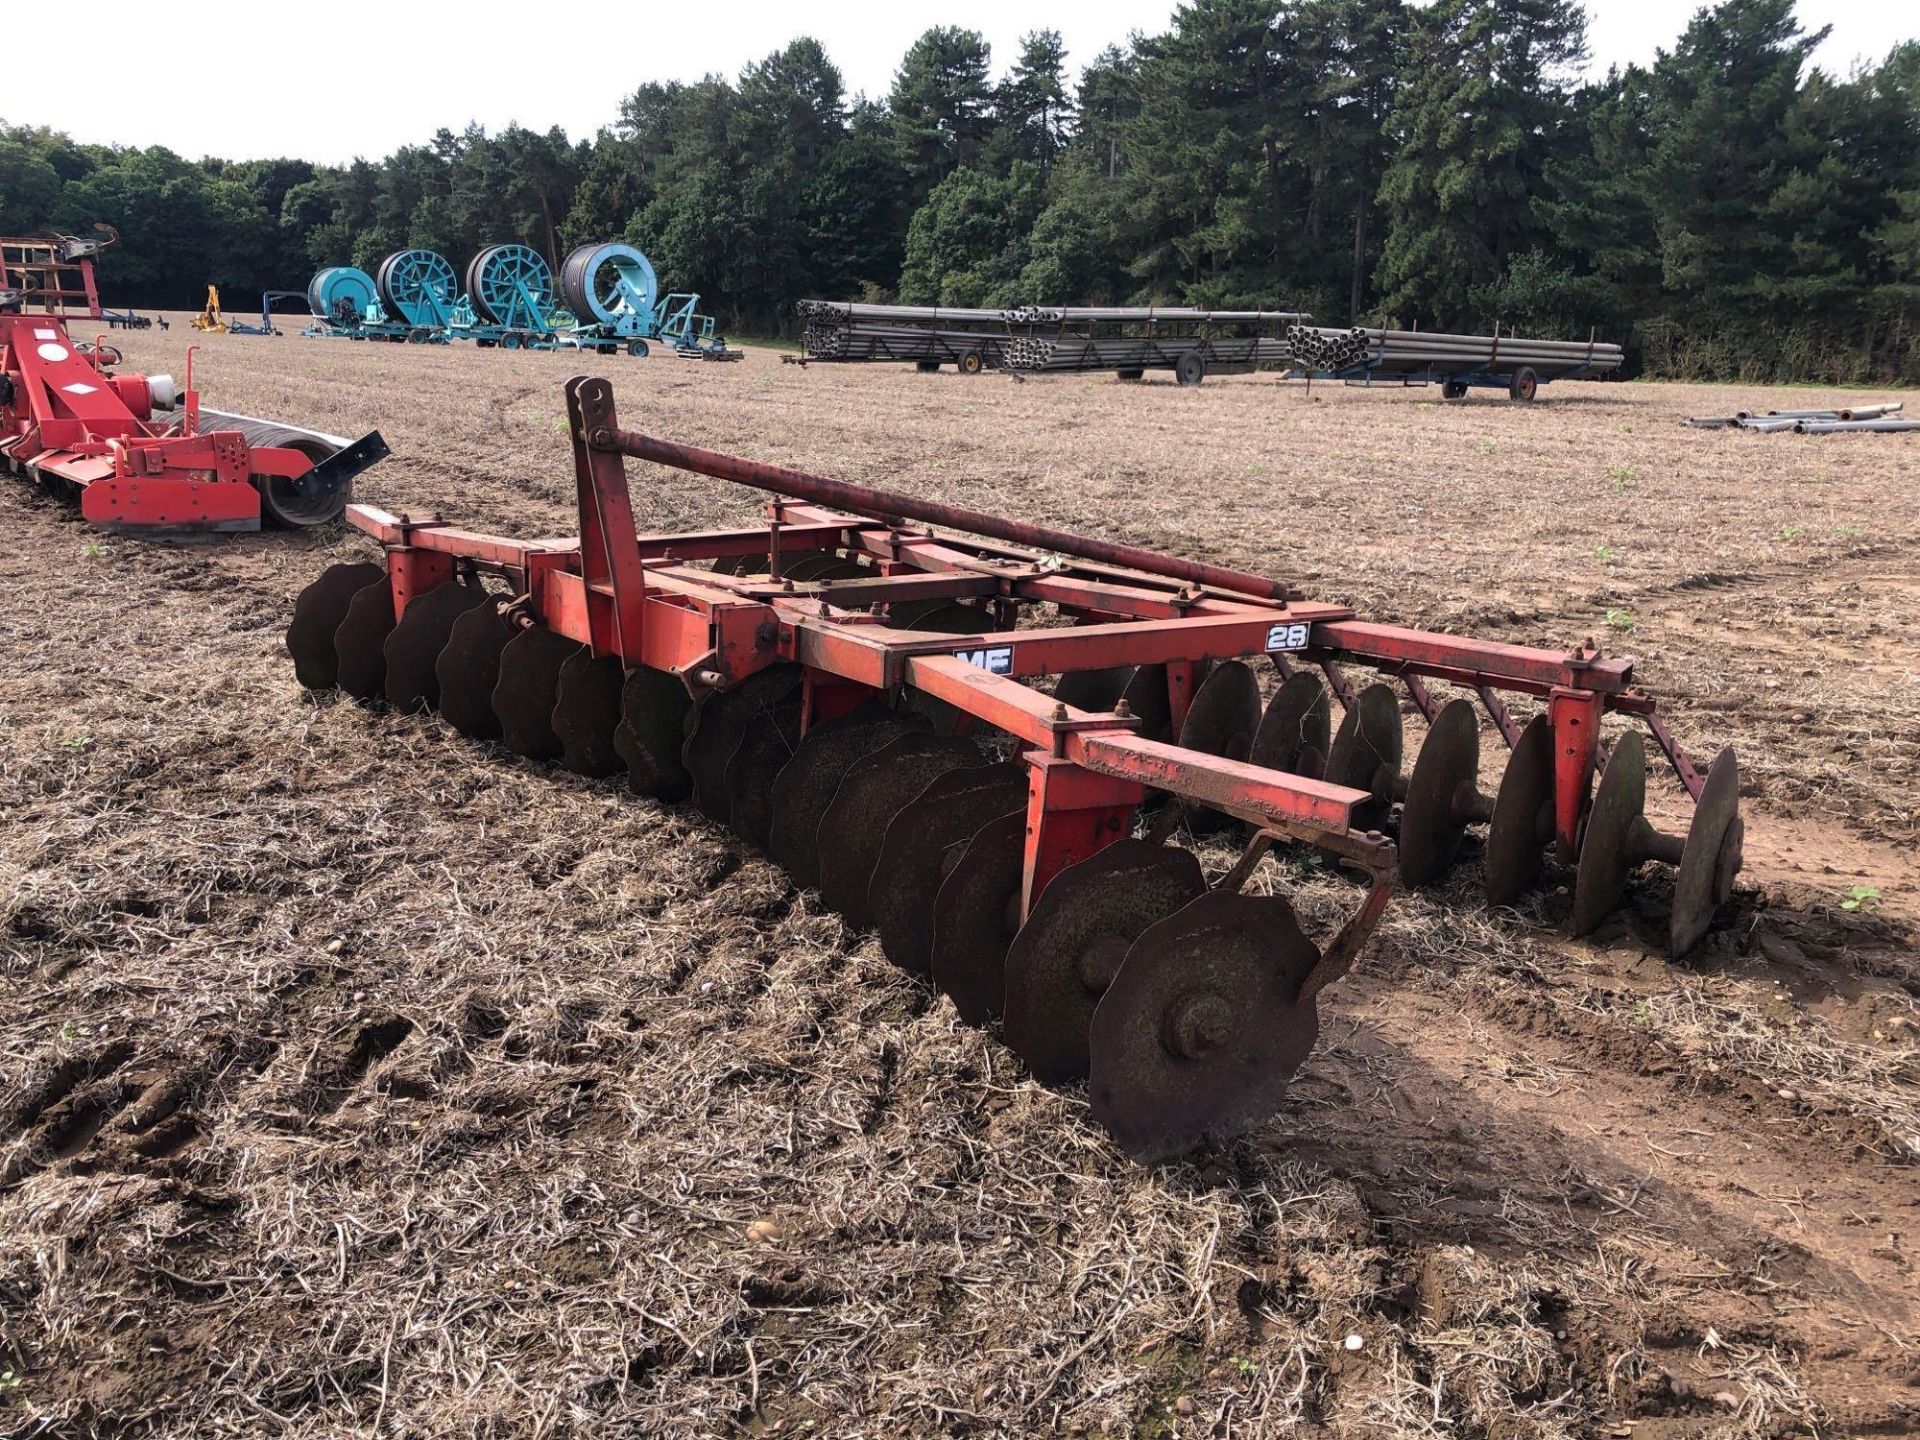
(638, 597)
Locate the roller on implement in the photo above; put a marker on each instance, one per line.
(68, 421)
(851, 686)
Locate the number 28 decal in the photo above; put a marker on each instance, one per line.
(1288, 635)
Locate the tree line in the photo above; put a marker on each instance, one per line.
(1730, 211)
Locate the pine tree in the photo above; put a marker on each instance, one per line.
(941, 105)
(1031, 105)
(1481, 116)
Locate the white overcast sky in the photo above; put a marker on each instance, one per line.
(253, 78)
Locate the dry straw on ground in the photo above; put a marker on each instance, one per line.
(357, 1080)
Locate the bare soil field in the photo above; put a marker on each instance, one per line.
(357, 1080)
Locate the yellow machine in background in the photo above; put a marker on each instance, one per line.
(209, 319)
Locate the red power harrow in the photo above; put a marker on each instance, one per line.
(849, 688)
(67, 421)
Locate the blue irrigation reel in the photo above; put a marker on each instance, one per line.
(341, 294)
(511, 286)
(417, 288)
(612, 285)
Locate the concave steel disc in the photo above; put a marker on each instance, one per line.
(717, 724)
(808, 782)
(1203, 1027)
(586, 712)
(1295, 733)
(413, 649)
(764, 751)
(360, 640)
(652, 732)
(740, 565)
(1096, 690)
(975, 917)
(1609, 846)
(820, 565)
(1223, 719)
(947, 617)
(1522, 818)
(317, 614)
(875, 788)
(1146, 695)
(1712, 856)
(1366, 753)
(1445, 778)
(1067, 954)
(923, 843)
(467, 669)
(529, 684)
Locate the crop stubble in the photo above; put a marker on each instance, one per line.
(356, 1080)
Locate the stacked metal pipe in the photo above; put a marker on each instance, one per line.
(1869, 418)
(1047, 337)
(1420, 352)
(1079, 352)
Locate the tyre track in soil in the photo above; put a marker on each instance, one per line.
(1610, 1125)
(1513, 1131)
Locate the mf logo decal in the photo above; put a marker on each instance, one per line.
(1287, 636)
(994, 659)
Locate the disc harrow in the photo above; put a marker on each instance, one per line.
(877, 690)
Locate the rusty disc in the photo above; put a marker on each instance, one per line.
(1366, 753)
(947, 617)
(1445, 778)
(924, 842)
(716, 725)
(1712, 856)
(975, 917)
(651, 733)
(586, 712)
(529, 683)
(1146, 696)
(360, 641)
(1223, 719)
(1066, 955)
(1295, 733)
(874, 789)
(820, 565)
(317, 613)
(1202, 1028)
(1225, 713)
(764, 750)
(1522, 823)
(808, 782)
(468, 667)
(1096, 690)
(412, 651)
(1611, 844)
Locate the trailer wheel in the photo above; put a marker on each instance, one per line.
(637, 349)
(511, 340)
(1453, 389)
(1190, 368)
(926, 367)
(1525, 384)
(971, 363)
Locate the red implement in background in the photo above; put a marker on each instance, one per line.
(67, 420)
